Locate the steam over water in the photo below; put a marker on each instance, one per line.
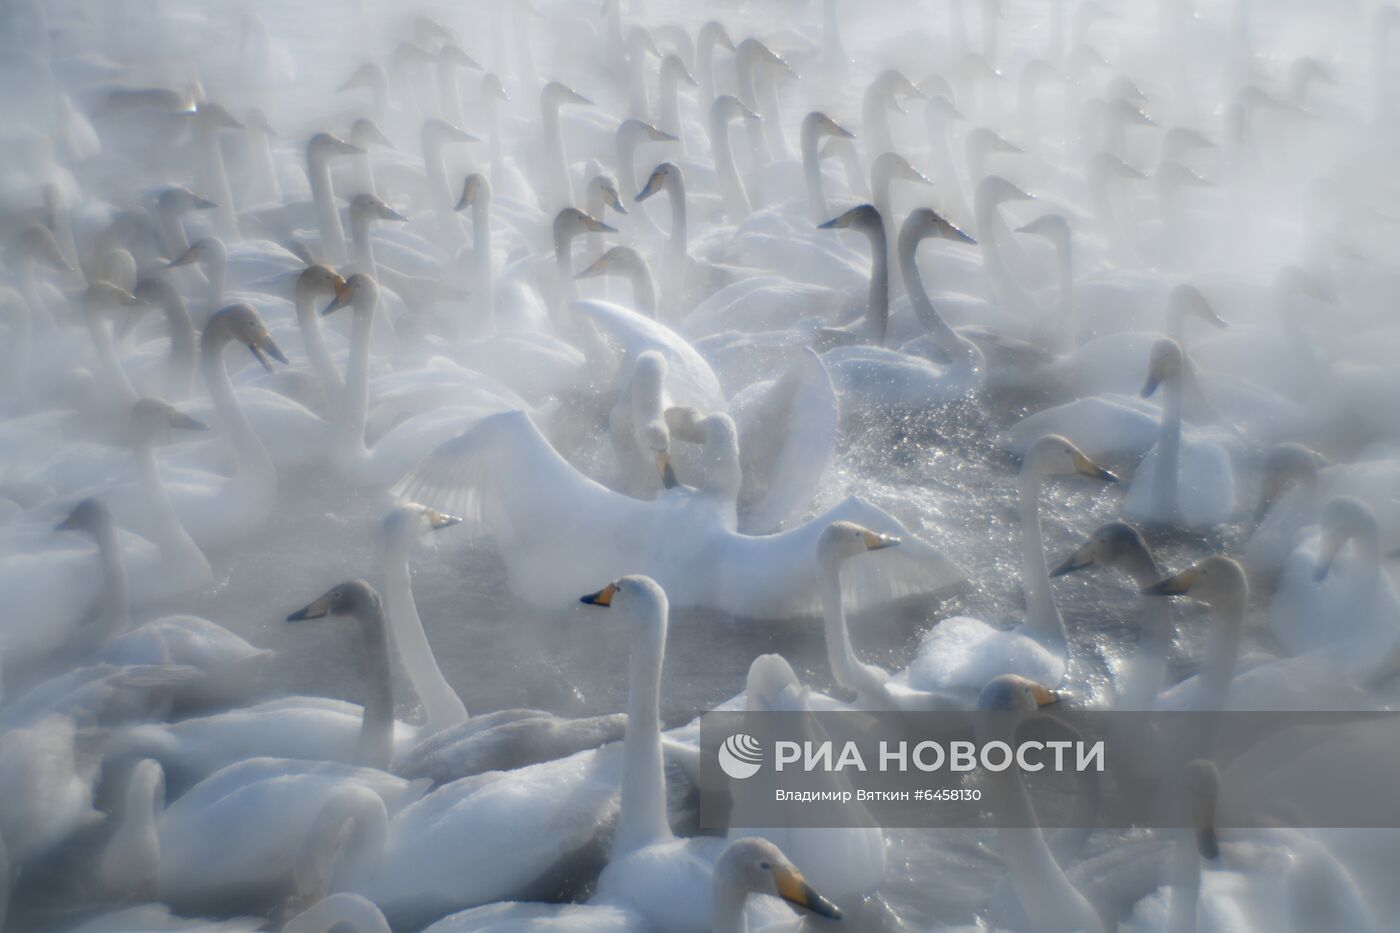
(1222, 227)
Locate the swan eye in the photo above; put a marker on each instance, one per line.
(765, 866)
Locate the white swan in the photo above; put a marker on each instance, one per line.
(555, 526)
(1188, 482)
(962, 654)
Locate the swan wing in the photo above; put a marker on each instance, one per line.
(689, 379)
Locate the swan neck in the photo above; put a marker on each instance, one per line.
(355, 405)
(1043, 620)
(247, 445)
(174, 540)
(377, 724)
(642, 818)
(116, 596)
(947, 339)
(735, 197)
(839, 652)
(727, 902)
(328, 216)
(442, 706)
(309, 324)
(1222, 653)
(877, 310)
(812, 173)
(1165, 481)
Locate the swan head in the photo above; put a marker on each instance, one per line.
(821, 125)
(1217, 581)
(769, 675)
(941, 107)
(1054, 455)
(621, 259)
(492, 88)
(239, 321)
(1053, 227)
(983, 141)
(1343, 518)
(1104, 166)
(1123, 110)
(1179, 140)
(757, 866)
(1012, 693)
(753, 51)
(891, 166)
(358, 291)
(410, 522)
(364, 133)
(255, 119)
(840, 541)
(317, 280)
(862, 217)
(475, 187)
(427, 30)
(606, 189)
(994, 190)
(893, 85)
(714, 32)
(1285, 466)
(451, 54)
(103, 296)
(924, 222)
(438, 132)
(368, 75)
(177, 200)
(325, 145)
(1165, 360)
(1171, 174)
(1115, 544)
(355, 599)
(408, 55)
(36, 242)
(639, 598)
(154, 420)
(640, 41)
(641, 131)
(556, 94)
(216, 116)
(657, 180)
(728, 107)
(201, 250)
(367, 207)
(674, 66)
(1201, 779)
(571, 221)
(1187, 301)
(90, 515)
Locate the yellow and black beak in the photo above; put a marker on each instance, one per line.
(874, 541)
(594, 225)
(653, 185)
(438, 519)
(603, 597)
(343, 297)
(264, 347)
(1178, 585)
(1082, 557)
(184, 422)
(668, 472)
(316, 610)
(1086, 467)
(186, 258)
(1044, 696)
(838, 223)
(794, 889)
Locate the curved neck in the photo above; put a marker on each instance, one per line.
(182, 341)
(364, 246)
(1165, 479)
(1222, 653)
(327, 214)
(449, 99)
(642, 818)
(727, 901)
(364, 173)
(1043, 620)
(350, 426)
(948, 340)
(877, 307)
(986, 210)
(39, 312)
(668, 117)
(1148, 668)
(675, 271)
(812, 172)
(115, 598)
(177, 548)
(215, 180)
(217, 270)
(481, 257)
(252, 455)
(112, 370)
(643, 288)
(877, 125)
(172, 232)
(442, 707)
(705, 65)
(561, 186)
(736, 200)
(839, 652)
(376, 747)
(309, 323)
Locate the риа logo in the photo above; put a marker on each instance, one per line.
(740, 756)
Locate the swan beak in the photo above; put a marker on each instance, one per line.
(1017, 194)
(437, 520)
(949, 232)
(1044, 696)
(603, 597)
(593, 225)
(1327, 554)
(316, 610)
(1086, 467)
(652, 186)
(68, 524)
(184, 422)
(1177, 585)
(468, 197)
(186, 258)
(615, 202)
(1155, 374)
(747, 113)
(598, 267)
(874, 541)
(794, 889)
(839, 223)
(668, 474)
(1082, 557)
(342, 299)
(388, 213)
(263, 347)
(202, 204)
(839, 131)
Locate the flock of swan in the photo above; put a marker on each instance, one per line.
(769, 356)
